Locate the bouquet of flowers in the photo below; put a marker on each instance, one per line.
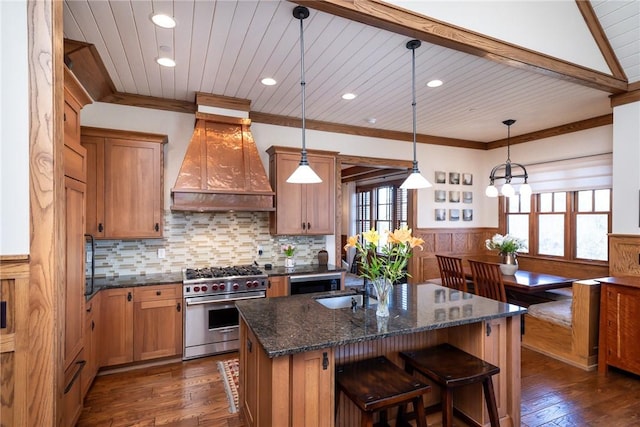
(506, 244)
(288, 250)
(388, 261)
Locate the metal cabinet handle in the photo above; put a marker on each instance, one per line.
(158, 293)
(129, 296)
(249, 345)
(100, 228)
(178, 307)
(157, 227)
(308, 226)
(76, 375)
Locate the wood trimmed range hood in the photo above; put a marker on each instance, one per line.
(222, 170)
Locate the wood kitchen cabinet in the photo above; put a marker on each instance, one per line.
(307, 377)
(72, 322)
(124, 183)
(278, 286)
(91, 351)
(116, 332)
(141, 323)
(302, 208)
(619, 324)
(157, 320)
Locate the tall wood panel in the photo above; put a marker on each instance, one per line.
(624, 255)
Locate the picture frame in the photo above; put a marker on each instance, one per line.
(454, 214)
(440, 177)
(439, 196)
(467, 178)
(440, 214)
(454, 178)
(467, 214)
(454, 197)
(467, 197)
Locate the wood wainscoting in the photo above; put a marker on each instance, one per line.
(14, 339)
(469, 242)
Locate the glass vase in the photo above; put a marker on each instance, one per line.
(289, 262)
(383, 289)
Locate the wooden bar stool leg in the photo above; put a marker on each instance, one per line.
(447, 407)
(421, 416)
(367, 419)
(490, 397)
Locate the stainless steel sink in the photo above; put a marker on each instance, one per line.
(344, 301)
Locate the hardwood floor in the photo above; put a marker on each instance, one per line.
(192, 394)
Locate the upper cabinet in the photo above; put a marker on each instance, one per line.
(302, 208)
(124, 183)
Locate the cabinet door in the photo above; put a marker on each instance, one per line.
(92, 316)
(319, 198)
(249, 375)
(74, 271)
(289, 197)
(312, 391)
(133, 188)
(622, 329)
(278, 286)
(157, 329)
(95, 185)
(116, 314)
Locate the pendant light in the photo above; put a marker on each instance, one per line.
(415, 180)
(507, 168)
(303, 174)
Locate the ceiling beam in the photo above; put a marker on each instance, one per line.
(392, 18)
(376, 173)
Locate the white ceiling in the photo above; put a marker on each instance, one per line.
(226, 47)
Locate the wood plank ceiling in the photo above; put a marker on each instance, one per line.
(227, 47)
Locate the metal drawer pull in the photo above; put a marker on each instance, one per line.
(75, 376)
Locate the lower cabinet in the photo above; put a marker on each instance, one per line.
(72, 397)
(278, 286)
(305, 380)
(141, 323)
(92, 322)
(157, 322)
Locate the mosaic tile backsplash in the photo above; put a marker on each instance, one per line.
(193, 239)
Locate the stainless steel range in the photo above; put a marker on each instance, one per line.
(211, 322)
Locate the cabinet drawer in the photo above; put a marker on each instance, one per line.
(160, 292)
(75, 165)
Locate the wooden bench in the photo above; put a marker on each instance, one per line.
(567, 328)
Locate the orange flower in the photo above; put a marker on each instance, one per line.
(416, 241)
(400, 235)
(351, 241)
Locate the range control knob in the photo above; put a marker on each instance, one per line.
(236, 286)
(248, 284)
(255, 283)
(214, 287)
(222, 286)
(196, 289)
(204, 288)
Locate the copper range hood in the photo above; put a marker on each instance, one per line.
(222, 170)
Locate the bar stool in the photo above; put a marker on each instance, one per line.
(451, 368)
(377, 385)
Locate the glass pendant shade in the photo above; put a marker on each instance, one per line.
(304, 175)
(415, 180)
(508, 190)
(525, 190)
(491, 191)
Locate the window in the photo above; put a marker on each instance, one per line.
(567, 224)
(381, 207)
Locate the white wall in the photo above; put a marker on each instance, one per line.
(14, 129)
(626, 173)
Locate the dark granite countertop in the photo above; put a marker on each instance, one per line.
(297, 323)
(302, 269)
(132, 281)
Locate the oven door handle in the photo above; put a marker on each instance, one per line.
(214, 301)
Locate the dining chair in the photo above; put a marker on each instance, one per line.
(451, 273)
(487, 280)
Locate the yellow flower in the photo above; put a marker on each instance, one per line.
(352, 241)
(371, 236)
(416, 241)
(400, 235)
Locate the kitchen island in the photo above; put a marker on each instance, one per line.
(290, 347)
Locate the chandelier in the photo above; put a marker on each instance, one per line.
(508, 171)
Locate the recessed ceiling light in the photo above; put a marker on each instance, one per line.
(268, 81)
(349, 96)
(166, 62)
(371, 120)
(164, 21)
(434, 83)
